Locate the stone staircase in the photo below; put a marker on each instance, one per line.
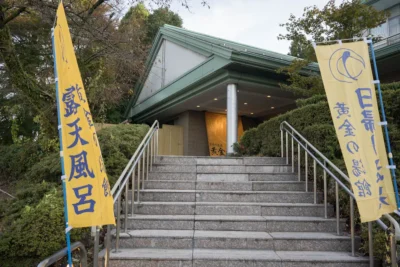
(202, 211)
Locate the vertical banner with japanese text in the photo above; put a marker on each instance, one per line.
(88, 195)
(216, 133)
(349, 85)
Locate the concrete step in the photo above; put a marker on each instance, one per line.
(232, 208)
(311, 241)
(222, 177)
(144, 257)
(170, 184)
(243, 169)
(182, 239)
(218, 177)
(227, 186)
(233, 223)
(258, 196)
(161, 222)
(321, 259)
(295, 209)
(167, 195)
(218, 160)
(166, 239)
(174, 168)
(265, 223)
(182, 176)
(273, 177)
(227, 196)
(232, 258)
(232, 240)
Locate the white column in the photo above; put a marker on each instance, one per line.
(231, 118)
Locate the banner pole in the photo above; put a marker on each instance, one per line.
(389, 149)
(67, 227)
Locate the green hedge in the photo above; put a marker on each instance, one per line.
(32, 225)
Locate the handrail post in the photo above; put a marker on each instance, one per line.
(147, 162)
(96, 246)
(108, 246)
(158, 129)
(292, 154)
(337, 208)
(138, 182)
(133, 191)
(352, 226)
(315, 182)
(306, 167)
(126, 206)
(281, 143)
(143, 166)
(151, 152)
(370, 245)
(287, 148)
(299, 160)
(118, 224)
(393, 246)
(325, 193)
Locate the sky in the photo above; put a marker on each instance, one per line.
(251, 22)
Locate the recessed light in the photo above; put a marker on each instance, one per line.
(245, 103)
(198, 106)
(252, 113)
(215, 98)
(268, 96)
(272, 107)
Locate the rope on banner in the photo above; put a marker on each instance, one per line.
(385, 126)
(67, 233)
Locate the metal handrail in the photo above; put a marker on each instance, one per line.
(63, 252)
(287, 130)
(138, 167)
(155, 124)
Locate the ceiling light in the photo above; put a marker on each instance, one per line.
(252, 113)
(198, 106)
(215, 98)
(272, 107)
(245, 103)
(268, 96)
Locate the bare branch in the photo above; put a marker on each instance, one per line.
(96, 5)
(12, 16)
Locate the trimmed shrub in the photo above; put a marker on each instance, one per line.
(37, 233)
(118, 143)
(311, 100)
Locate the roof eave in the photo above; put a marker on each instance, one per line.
(270, 63)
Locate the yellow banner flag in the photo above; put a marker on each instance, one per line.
(88, 195)
(216, 133)
(349, 85)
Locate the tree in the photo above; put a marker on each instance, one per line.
(160, 17)
(350, 19)
(110, 57)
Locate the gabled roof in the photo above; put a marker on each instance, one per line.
(220, 52)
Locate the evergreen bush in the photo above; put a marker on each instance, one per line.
(32, 225)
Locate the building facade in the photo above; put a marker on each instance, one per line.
(190, 75)
(388, 48)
